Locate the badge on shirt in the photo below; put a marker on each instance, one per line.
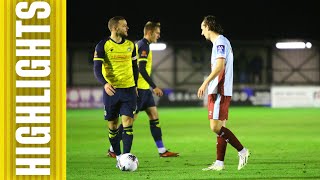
(144, 54)
(220, 49)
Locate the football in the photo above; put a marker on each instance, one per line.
(128, 162)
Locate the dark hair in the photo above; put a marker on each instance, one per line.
(114, 21)
(211, 22)
(151, 26)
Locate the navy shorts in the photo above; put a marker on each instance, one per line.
(145, 100)
(123, 102)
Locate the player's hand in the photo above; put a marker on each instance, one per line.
(202, 89)
(110, 90)
(157, 91)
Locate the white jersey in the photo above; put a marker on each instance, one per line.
(222, 84)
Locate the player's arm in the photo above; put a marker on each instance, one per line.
(215, 72)
(143, 53)
(97, 69)
(142, 69)
(144, 73)
(135, 66)
(98, 59)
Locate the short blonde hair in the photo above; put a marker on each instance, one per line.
(151, 26)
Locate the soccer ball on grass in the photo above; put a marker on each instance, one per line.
(128, 162)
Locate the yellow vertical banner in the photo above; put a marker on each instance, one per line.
(33, 89)
(2, 87)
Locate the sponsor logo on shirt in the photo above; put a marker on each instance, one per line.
(220, 49)
(120, 56)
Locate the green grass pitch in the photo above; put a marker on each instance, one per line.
(284, 144)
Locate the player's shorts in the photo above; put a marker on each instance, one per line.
(218, 106)
(123, 102)
(145, 100)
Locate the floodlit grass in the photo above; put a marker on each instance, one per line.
(284, 144)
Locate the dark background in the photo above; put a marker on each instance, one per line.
(180, 20)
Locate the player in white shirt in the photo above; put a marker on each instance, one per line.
(219, 84)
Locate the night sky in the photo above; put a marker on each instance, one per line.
(180, 20)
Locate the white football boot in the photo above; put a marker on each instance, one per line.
(214, 167)
(243, 158)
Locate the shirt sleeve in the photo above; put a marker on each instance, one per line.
(135, 71)
(134, 53)
(143, 52)
(98, 59)
(144, 74)
(99, 53)
(97, 69)
(220, 49)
